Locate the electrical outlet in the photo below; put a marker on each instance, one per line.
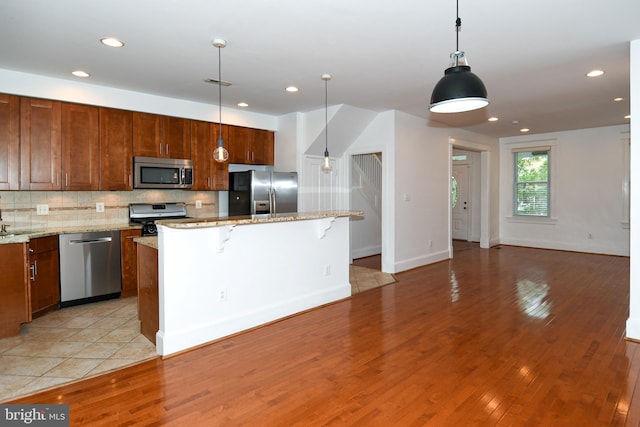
(222, 294)
(42, 209)
(198, 204)
(99, 206)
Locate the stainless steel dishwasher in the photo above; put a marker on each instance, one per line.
(89, 267)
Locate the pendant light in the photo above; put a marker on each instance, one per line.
(326, 162)
(220, 154)
(459, 90)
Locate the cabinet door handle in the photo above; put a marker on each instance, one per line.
(130, 179)
(208, 182)
(35, 267)
(161, 148)
(66, 180)
(166, 146)
(32, 270)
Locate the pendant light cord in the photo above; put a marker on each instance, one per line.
(219, 94)
(326, 119)
(458, 25)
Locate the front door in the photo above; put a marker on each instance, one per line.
(460, 205)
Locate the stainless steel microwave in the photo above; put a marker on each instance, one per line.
(158, 172)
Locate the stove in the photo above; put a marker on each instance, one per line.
(147, 213)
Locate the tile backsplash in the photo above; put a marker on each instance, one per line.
(78, 208)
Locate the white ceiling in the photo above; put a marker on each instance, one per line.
(382, 54)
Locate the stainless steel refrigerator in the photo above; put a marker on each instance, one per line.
(262, 192)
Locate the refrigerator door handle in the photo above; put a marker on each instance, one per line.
(272, 201)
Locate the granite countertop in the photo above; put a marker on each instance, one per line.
(255, 219)
(24, 236)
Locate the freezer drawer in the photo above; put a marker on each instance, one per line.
(89, 267)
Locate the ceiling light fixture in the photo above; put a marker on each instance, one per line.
(111, 42)
(618, 99)
(243, 104)
(220, 154)
(80, 73)
(326, 162)
(595, 73)
(628, 116)
(492, 119)
(524, 130)
(291, 89)
(459, 90)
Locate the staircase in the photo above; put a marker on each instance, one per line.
(366, 177)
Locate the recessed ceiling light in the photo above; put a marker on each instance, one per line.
(628, 116)
(492, 119)
(111, 42)
(243, 104)
(291, 89)
(80, 73)
(618, 99)
(595, 73)
(523, 130)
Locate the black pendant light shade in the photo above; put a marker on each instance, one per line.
(459, 90)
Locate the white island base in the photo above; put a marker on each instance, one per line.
(215, 280)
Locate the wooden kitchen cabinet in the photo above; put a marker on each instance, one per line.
(59, 146)
(209, 175)
(9, 142)
(148, 300)
(80, 148)
(40, 142)
(161, 136)
(129, 262)
(116, 149)
(44, 274)
(250, 146)
(14, 288)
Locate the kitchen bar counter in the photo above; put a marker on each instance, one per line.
(255, 219)
(220, 276)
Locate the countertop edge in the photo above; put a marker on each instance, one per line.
(255, 219)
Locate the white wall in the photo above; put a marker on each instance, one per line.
(587, 201)
(33, 85)
(633, 323)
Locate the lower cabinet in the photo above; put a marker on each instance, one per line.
(44, 274)
(129, 262)
(14, 288)
(148, 302)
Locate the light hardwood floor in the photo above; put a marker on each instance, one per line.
(505, 336)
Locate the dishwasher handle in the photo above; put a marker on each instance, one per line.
(90, 241)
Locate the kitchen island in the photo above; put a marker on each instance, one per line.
(220, 276)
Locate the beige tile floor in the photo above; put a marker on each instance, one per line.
(86, 340)
(70, 344)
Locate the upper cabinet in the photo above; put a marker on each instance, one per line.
(250, 146)
(116, 149)
(208, 174)
(48, 145)
(58, 146)
(9, 142)
(80, 148)
(40, 141)
(161, 136)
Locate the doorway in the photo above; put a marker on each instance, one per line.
(460, 201)
(476, 215)
(366, 195)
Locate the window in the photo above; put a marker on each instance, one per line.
(531, 182)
